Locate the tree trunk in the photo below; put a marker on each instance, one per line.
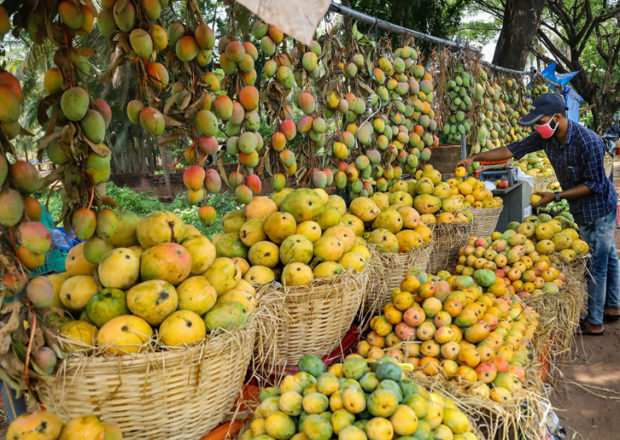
(165, 160)
(521, 20)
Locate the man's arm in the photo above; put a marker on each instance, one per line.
(517, 149)
(580, 190)
(501, 153)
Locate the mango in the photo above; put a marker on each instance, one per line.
(226, 316)
(152, 300)
(196, 294)
(124, 334)
(82, 334)
(170, 262)
(77, 291)
(74, 103)
(39, 425)
(25, 177)
(106, 305)
(182, 328)
(34, 236)
(159, 227)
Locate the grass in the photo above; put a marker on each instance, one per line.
(145, 203)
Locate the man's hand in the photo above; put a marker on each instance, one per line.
(545, 198)
(465, 163)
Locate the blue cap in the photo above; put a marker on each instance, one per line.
(546, 104)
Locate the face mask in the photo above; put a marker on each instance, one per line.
(546, 130)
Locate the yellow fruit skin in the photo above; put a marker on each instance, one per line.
(83, 428)
(181, 328)
(83, 333)
(39, 425)
(77, 291)
(152, 300)
(119, 268)
(124, 334)
(196, 294)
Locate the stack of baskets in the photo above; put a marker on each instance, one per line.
(485, 220)
(309, 319)
(447, 240)
(387, 272)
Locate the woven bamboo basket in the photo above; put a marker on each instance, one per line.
(523, 416)
(485, 220)
(173, 394)
(310, 319)
(387, 270)
(559, 315)
(447, 240)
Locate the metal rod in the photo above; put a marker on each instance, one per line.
(368, 19)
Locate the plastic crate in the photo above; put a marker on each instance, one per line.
(56, 256)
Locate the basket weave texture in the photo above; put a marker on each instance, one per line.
(485, 220)
(447, 240)
(560, 314)
(387, 272)
(310, 319)
(173, 394)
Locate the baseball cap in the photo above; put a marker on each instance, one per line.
(546, 104)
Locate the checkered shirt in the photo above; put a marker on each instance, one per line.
(579, 160)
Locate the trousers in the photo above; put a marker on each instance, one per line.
(604, 279)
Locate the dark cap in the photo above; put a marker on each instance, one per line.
(546, 104)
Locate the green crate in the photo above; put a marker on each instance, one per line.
(54, 262)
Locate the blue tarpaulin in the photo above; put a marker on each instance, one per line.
(558, 78)
(572, 99)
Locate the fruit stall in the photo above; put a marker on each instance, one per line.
(368, 294)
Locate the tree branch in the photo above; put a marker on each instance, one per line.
(491, 9)
(553, 49)
(556, 32)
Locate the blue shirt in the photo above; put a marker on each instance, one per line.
(579, 160)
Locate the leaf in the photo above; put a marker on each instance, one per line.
(100, 149)
(220, 167)
(44, 142)
(172, 122)
(93, 9)
(162, 140)
(186, 101)
(107, 75)
(170, 102)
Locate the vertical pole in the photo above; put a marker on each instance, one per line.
(14, 406)
(463, 146)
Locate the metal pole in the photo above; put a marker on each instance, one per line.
(463, 146)
(368, 19)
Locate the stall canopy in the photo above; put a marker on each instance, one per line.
(296, 18)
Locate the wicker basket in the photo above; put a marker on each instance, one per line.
(387, 272)
(485, 220)
(311, 320)
(447, 240)
(174, 394)
(559, 315)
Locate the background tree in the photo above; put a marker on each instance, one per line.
(581, 35)
(440, 18)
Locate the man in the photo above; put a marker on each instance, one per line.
(576, 154)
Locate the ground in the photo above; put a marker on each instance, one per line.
(587, 398)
